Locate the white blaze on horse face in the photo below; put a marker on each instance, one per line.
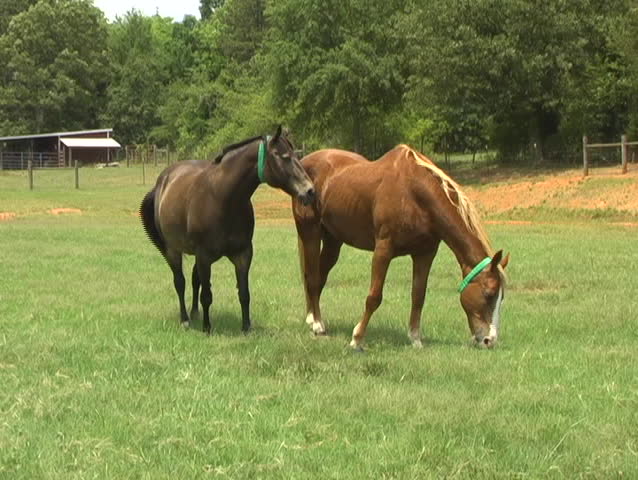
(496, 315)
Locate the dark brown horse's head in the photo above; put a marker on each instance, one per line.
(482, 298)
(283, 170)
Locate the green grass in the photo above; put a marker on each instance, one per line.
(544, 214)
(98, 381)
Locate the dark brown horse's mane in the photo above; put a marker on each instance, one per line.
(234, 146)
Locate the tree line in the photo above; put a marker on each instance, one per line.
(444, 75)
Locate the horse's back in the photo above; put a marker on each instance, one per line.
(330, 161)
(360, 200)
(181, 168)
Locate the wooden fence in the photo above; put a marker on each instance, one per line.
(20, 160)
(624, 152)
(147, 154)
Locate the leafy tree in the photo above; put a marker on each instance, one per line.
(513, 71)
(242, 26)
(208, 7)
(221, 98)
(360, 74)
(624, 37)
(141, 59)
(10, 8)
(336, 70)
(54, 71)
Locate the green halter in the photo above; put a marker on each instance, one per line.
(475, 271)
(261, 158)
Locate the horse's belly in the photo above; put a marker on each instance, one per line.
(354, 230)
(179, 241)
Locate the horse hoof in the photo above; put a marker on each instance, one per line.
(319, 332)
(356, 346)
(185, 325)
(417, 344)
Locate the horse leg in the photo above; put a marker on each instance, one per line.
(329, 255)
(196, 284)
(174, 259)
(310, 251)
(242, 266)
(421, 265)
(203, 269)
(380, 263)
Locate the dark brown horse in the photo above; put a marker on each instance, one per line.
(401, 204)
(204, 209)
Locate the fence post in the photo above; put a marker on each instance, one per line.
(585, 157)
(21, 160)
(1, 161)
(155, 154)
(30, 167)
(143, 169)
(77, 175)
(623, 152)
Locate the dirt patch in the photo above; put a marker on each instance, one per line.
(609, 190)
(60, 211)
(509, 222)
(625, 224)
(6, 216)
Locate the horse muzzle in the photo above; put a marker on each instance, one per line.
(308, 196)
(487, 341)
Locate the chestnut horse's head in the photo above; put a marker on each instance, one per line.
(482, 293)
(281, 168)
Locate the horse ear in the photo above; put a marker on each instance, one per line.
(505, 261)
(277, 134)
(496, 259)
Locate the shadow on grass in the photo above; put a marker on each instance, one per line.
(383, 335)
(227, 323)
(223, 322)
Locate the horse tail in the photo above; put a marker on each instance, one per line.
(147, 214)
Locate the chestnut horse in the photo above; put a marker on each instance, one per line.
(204, 209)
(401, 204)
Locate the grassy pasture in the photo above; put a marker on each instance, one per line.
(98, 381)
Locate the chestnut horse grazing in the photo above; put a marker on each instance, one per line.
(401, 204)
(204, 209)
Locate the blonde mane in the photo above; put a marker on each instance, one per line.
(464, 205)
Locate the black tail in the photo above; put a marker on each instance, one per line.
(147, 213)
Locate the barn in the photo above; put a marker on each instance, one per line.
(61, 149)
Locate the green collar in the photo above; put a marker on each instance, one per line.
(261, 159)
(475, 271)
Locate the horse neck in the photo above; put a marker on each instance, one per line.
(465, 244)
(239, 169)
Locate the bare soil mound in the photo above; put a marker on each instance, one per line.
(604, 189)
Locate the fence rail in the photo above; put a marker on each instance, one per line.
(20, 160)
(624, 152)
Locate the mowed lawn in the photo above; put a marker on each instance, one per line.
(97, 380)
